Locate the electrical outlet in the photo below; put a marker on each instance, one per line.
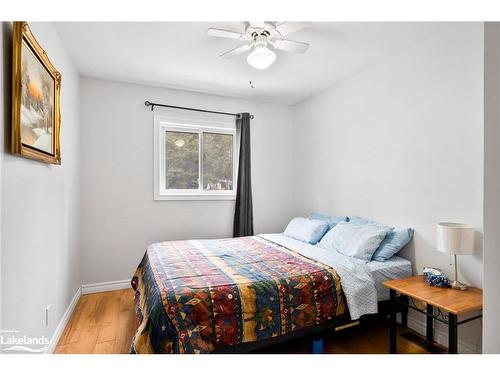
(47, 310)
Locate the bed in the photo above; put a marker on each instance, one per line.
(240, 294)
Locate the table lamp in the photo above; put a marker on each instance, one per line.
(456, 239)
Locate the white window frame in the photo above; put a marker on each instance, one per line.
(162, 124)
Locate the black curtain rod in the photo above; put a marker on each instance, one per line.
(153, 105)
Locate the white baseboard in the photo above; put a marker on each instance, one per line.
(441, 337)
(62, 323)
(106, 286)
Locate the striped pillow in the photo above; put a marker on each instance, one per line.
(354, 240)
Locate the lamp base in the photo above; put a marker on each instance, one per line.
(458, 285)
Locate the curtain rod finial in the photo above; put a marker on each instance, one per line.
(147, 103)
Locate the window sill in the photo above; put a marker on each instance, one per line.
(195, 197)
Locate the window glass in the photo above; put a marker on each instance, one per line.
(217, 161)
(182, 160)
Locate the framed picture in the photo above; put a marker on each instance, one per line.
(36, 87)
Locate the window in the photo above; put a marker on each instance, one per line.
(194, 159)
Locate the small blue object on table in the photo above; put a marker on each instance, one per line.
(436, 277)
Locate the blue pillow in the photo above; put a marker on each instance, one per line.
(331, 220)
(395, 240)
(362, 221)
(306, 230)
(354, 240)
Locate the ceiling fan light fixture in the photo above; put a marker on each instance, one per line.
(261, 57)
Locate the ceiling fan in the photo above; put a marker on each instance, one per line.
(261, 38)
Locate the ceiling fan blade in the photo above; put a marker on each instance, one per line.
(226, 34)
(290, 45)
(285, 28)
(257, 25)
(236, 51)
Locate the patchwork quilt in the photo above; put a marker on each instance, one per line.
(200, 295)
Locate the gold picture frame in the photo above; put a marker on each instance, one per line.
(36, 87)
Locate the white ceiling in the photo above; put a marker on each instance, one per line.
(181, 55)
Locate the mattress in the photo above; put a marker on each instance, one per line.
(199, 296)
(394, 268)
(356, 280)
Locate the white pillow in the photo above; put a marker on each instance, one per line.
(354, 240)
(306, 230)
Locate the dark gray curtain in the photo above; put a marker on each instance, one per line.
(243, 213)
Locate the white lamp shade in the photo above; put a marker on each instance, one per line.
(455, 238)
(261, 57)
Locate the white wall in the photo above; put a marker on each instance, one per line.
(40, 208)
(119, 216)
(402, 143)
(491, 279)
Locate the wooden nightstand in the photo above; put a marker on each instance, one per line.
(448, 303)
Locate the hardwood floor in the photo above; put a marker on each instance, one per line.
(101, 323)
(104, 323)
